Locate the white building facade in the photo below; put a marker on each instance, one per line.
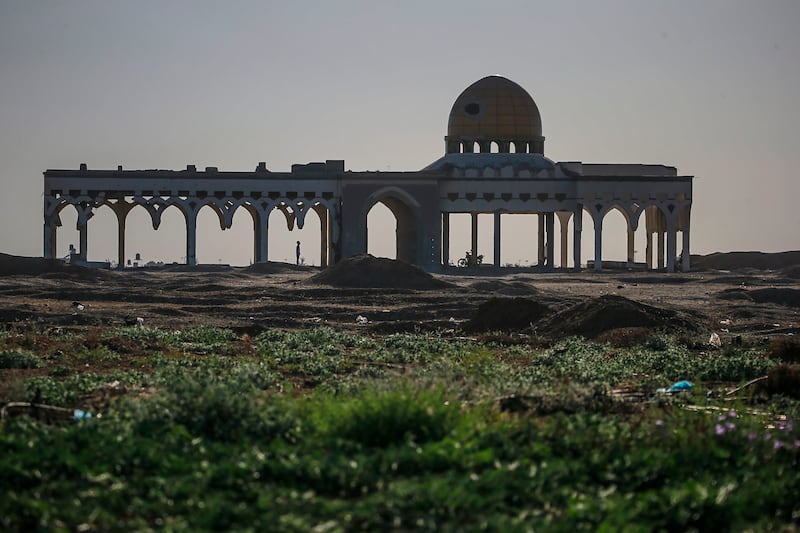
(494, 164)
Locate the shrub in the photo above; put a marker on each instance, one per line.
(229, 407)
(19, 359)
(381, 418)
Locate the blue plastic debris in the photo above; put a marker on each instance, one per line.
(680, 386)
(79, 414)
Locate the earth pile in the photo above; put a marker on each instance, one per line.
(366, 271)
(596, 316)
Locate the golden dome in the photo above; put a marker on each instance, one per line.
(494, 110)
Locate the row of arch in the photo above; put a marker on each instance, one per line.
(482, 146)
(294, 211)
(663, 222)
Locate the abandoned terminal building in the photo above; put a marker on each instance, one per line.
(494, 163)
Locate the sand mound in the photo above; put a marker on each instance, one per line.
(180, 267)
(792, 272)
(514, 288)
(275, 268)
(366, 271)
(740, 260)
(507, 314)
(14, 265)
(609, 312)
(771, 295)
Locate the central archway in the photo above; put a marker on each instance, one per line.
(406, 212)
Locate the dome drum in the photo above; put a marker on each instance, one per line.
(494, 110)
(483, 145)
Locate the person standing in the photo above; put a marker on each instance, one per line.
(297, 252)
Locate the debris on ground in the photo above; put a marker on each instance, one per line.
(361, 319)
(45, 413)
(714, 341)
(680, 386)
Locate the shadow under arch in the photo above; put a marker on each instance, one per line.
(407, 212)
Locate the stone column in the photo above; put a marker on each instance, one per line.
(577, 226)
(261, 237)
(540, 251)
(672, 236)
(191, 238)
(685, 253)
(660, 251)
(120, 242)
(474, 238)
(497, 239)
(598, 244)
(49, 239)
(631, 250)
(121, 209)
(83, 229)
(446, 239)
(550, 230)
(649, 250)
(324, 245)
(563, 223)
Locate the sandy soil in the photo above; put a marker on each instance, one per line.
(741, 302)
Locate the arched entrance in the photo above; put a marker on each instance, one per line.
(405, 210)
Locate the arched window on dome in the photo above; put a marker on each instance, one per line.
(494, 147)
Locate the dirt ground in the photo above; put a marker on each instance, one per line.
(744, 301)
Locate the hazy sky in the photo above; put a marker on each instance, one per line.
(710, 87)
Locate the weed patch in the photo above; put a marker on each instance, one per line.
(19, 359)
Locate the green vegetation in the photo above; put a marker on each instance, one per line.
(19, 359)
(325, 430)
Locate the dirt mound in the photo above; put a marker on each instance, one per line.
(770, 295)
(201, 268)
(609, 312)
(514, 288)
(14, 265)
(506, 314)
(275, 268)
(740, 260)
(366, 271)
(774, 295)
(792, 272)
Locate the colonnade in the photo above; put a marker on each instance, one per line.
(662, 224)
(294, 211)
